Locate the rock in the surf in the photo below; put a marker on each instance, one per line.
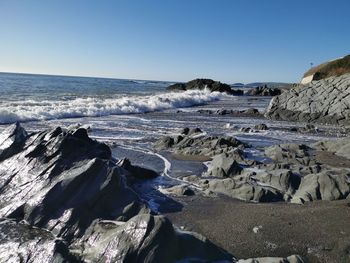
(263, 91)
(261, 127)
(204, 84)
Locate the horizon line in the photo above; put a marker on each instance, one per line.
(115, 78)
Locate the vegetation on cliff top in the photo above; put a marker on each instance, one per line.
(333, 68)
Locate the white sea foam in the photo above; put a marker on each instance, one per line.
(81, 107)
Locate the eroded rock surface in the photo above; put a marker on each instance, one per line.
(192, 142)
(322, 186)
(263, 91)
(67, 200)
(205, 84)
(251, 112)
(290, 259)
(62, 180)
(20, 242)
(323, 101)
(292, 174)
(144, 238)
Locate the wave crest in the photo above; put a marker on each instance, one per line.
(90, 107)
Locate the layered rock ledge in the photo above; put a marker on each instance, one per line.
(324, 101)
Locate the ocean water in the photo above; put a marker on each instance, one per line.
(41, 97)
(124, 111)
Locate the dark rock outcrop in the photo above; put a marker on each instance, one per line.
(20, 242)
(251, 112)
(263, 91)
(12, 140)
(78, 207)
(62, 180)
(194, 143)
(144, 238)
(261, 127)
(205, 84)
(137, 171)
(290, 259)
(324, 101)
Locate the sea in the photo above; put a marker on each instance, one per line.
(130, 115)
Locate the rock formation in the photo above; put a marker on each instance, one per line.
(263, 91)
(205, 84)
(293, 174)
(324, 101)
(290, 259)
(192, 142)
(251, 112)
(65, 199)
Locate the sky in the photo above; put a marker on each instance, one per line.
(177, 40)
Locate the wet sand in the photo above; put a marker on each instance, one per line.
(319, 231)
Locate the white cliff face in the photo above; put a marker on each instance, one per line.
(307, 79)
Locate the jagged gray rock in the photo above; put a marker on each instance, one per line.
(11, 140)
(20, 242)
(340, 147)
(262, 127)
(263, 91)
(66, 186)
(205, 84)
(290, 259)
(264, 186)
(62, 180)
(137, 171)
(323, 101)
(289, 153)
(198, 144)
(244, 188)
(251, 112)
(322, 186)
(224, 165)
(179, 190)
(282, 179)
(144, 238)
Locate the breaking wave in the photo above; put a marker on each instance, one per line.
(29, 110)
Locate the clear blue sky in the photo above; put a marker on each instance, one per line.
(228, 40)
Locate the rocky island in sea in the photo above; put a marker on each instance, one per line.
(177, 172)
